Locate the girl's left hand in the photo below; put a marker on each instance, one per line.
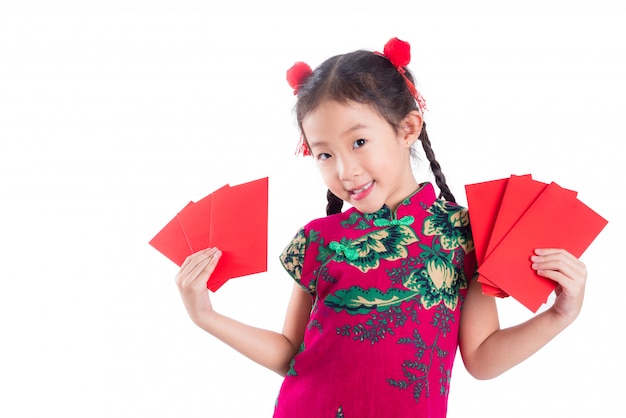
(569, 273)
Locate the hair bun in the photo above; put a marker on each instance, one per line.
(297, 75)
(398, 52)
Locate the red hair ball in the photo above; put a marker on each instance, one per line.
(398, 52)
(297, 74)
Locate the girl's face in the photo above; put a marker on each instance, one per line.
(363, 160)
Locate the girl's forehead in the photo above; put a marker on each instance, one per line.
(348, 105)
(332, 111)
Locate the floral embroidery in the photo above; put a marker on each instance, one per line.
(357, 300)
(377, 327)
(365, 252)
(292, 256)
(451, 223)
(437, 279)
(416, 371)
(355, 221)
(292, 364)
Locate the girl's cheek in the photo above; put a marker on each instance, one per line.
(326, 168)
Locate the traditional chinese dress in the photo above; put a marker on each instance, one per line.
(387, 291)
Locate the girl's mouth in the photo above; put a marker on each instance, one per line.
(362, 192)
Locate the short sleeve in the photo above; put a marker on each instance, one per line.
(471, 264)
(292, 258)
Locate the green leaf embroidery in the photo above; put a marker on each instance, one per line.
(292, 364)
(352, 221)
(437, 281)
(357, 300)
(415, 371)
(451, 223)
(293, 256)
(366, 252)
(339, 413)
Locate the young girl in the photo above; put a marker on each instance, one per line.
(385, 291)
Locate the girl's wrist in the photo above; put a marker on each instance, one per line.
(560, 319)
(204, 318)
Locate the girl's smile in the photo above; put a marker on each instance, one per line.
(362, 192)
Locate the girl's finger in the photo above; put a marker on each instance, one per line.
(558, 253)
(561, 267)
(196, 270)
(564, 281)
(556, 265)
(190, 259)
(558, 260)
(206, 269)
(199, 266)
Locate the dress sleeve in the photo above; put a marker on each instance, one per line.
(471, 264)
(292, 258)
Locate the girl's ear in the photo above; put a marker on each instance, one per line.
(411, 127)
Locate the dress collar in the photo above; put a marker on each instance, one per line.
(423, 196)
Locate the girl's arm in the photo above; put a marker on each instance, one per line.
(270, 349)
(489, 351)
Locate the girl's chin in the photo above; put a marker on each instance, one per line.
(369, 206)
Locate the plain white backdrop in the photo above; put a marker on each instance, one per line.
(115, 114)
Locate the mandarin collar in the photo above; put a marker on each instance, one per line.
(424, 196)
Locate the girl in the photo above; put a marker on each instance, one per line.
(385, 291)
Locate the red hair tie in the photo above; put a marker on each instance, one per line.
(398, 52)
(303, 148)
(296, 76)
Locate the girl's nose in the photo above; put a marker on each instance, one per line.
(347, 168)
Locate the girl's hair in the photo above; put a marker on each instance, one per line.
(367, 78)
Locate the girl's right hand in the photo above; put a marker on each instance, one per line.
(192, 282)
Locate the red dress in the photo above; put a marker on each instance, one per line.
(387, 291)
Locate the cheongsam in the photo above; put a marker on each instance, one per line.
(387, 291)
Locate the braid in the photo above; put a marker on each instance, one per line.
(440, 179)
(334, 203)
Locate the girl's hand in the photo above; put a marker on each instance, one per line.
(192, 279)
(569, 273)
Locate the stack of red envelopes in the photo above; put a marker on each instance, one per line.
(510, 218)
(233, 219)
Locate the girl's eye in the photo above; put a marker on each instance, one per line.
(323, 156)
(359, 143)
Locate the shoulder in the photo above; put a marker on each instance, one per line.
(450, 212)
(331, 220)
(450, 221)
(336, 225)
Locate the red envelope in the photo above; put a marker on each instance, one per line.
(239, 230)
(483, 201)
(233, 219)
(520, 193)
(172, 242)
(556, 219)
(195, 220)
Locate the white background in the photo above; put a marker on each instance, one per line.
(115, 114)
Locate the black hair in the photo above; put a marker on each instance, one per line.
(367, 78)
